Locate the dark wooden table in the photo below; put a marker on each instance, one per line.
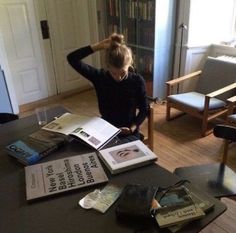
(61, 213)
(216, 179)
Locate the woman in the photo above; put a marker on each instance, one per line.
(120, 92)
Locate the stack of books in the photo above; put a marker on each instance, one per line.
(179, 206)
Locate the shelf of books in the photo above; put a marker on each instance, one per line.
(136, 20)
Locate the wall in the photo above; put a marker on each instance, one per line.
(8, 81)
(195, 52)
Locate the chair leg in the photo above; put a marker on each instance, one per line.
(204, 128)
(151, 128)
(167, 111)
(225, 152)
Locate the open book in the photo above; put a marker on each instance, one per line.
(94, 131)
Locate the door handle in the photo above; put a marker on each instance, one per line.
(44, 29)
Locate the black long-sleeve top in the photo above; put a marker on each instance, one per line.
(117, 101)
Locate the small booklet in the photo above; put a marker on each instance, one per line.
(127, 156)
(94, 131)
(62, 175)
(107, 197)
(33, 148)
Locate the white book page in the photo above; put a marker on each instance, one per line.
(66, 123)
(96, 131)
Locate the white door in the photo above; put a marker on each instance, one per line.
(70, 27)
(21, 39)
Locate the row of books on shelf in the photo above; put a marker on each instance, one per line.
(144, 38)
(144, 63)
(144, 10)
(43, 179)
(133, 9)
(113, 7)
(113, 28)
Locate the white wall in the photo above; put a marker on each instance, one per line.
(9, 80)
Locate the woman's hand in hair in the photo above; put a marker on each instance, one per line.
(104, 44)
(114, 39)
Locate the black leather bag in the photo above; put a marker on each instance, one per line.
(135, 202)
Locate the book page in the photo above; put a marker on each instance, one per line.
(66, 123)
(95, 131)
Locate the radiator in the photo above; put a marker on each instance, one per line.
(227, 58)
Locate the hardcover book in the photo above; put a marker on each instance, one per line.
(180, 206)
(179, 215)
(33, 148)
(202, 201)
(93, 131)
(62, 175)
(127, 156)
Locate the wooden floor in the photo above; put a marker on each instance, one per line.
(177, 143)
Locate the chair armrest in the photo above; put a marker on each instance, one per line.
(183, 78)
(221, 90)
(232, 99)
(231, 102)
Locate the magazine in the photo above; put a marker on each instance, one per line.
(94, 131)
(127, 156)
(31, 149)
(62, 175)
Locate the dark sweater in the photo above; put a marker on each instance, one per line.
(117, 101)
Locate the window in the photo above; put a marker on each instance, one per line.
(211, 21)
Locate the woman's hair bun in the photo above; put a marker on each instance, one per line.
(116, 40)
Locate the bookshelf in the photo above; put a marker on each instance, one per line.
(137, 20)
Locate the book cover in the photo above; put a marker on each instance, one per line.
(174, 198)
(94, 131)
(31, 149)
(127, 156)
(62, 175)
(179, 215)
(202, 202)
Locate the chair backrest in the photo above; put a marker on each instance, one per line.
(227, 132)
(232, 119)
(217, 74)
(6, 117)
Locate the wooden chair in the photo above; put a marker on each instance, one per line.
(216, 83)
(6, 117)
(148, 137)
(227, 131)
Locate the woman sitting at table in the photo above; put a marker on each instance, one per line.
(120, 91)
